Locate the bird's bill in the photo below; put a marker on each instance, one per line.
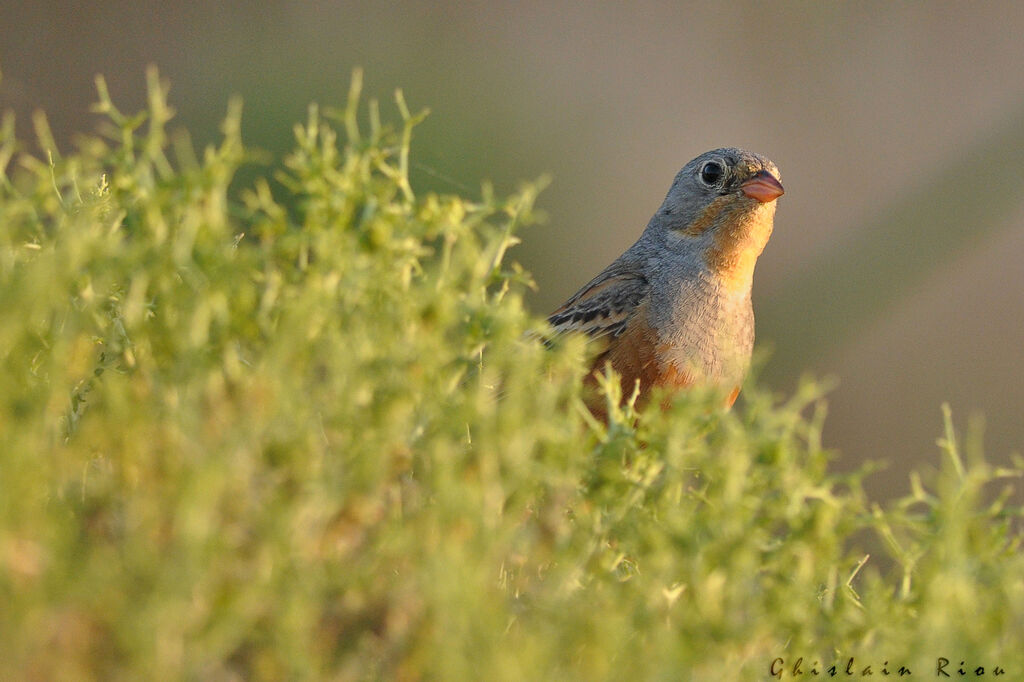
(763, 186)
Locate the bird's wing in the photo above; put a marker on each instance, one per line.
(604, 307)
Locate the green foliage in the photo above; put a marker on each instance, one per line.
(307, 430)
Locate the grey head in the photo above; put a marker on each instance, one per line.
(719, 185)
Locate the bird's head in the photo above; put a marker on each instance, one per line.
(721, 208)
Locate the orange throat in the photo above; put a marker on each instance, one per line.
(740, 238)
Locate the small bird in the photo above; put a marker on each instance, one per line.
(674, 310)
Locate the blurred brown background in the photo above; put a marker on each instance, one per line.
(896, 263)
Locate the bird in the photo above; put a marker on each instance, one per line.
(674, 310)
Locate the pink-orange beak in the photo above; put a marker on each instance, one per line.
(763, 187)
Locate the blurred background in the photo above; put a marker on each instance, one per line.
(896, 264)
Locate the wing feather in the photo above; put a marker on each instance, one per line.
(605, 305)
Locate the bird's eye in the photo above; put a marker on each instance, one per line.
(711, 173)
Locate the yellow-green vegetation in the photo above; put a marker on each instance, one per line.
(307, 430)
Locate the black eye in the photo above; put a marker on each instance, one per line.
(711, 172)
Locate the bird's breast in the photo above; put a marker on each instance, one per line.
(708, 336)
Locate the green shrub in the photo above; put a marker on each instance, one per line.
(307, 430)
